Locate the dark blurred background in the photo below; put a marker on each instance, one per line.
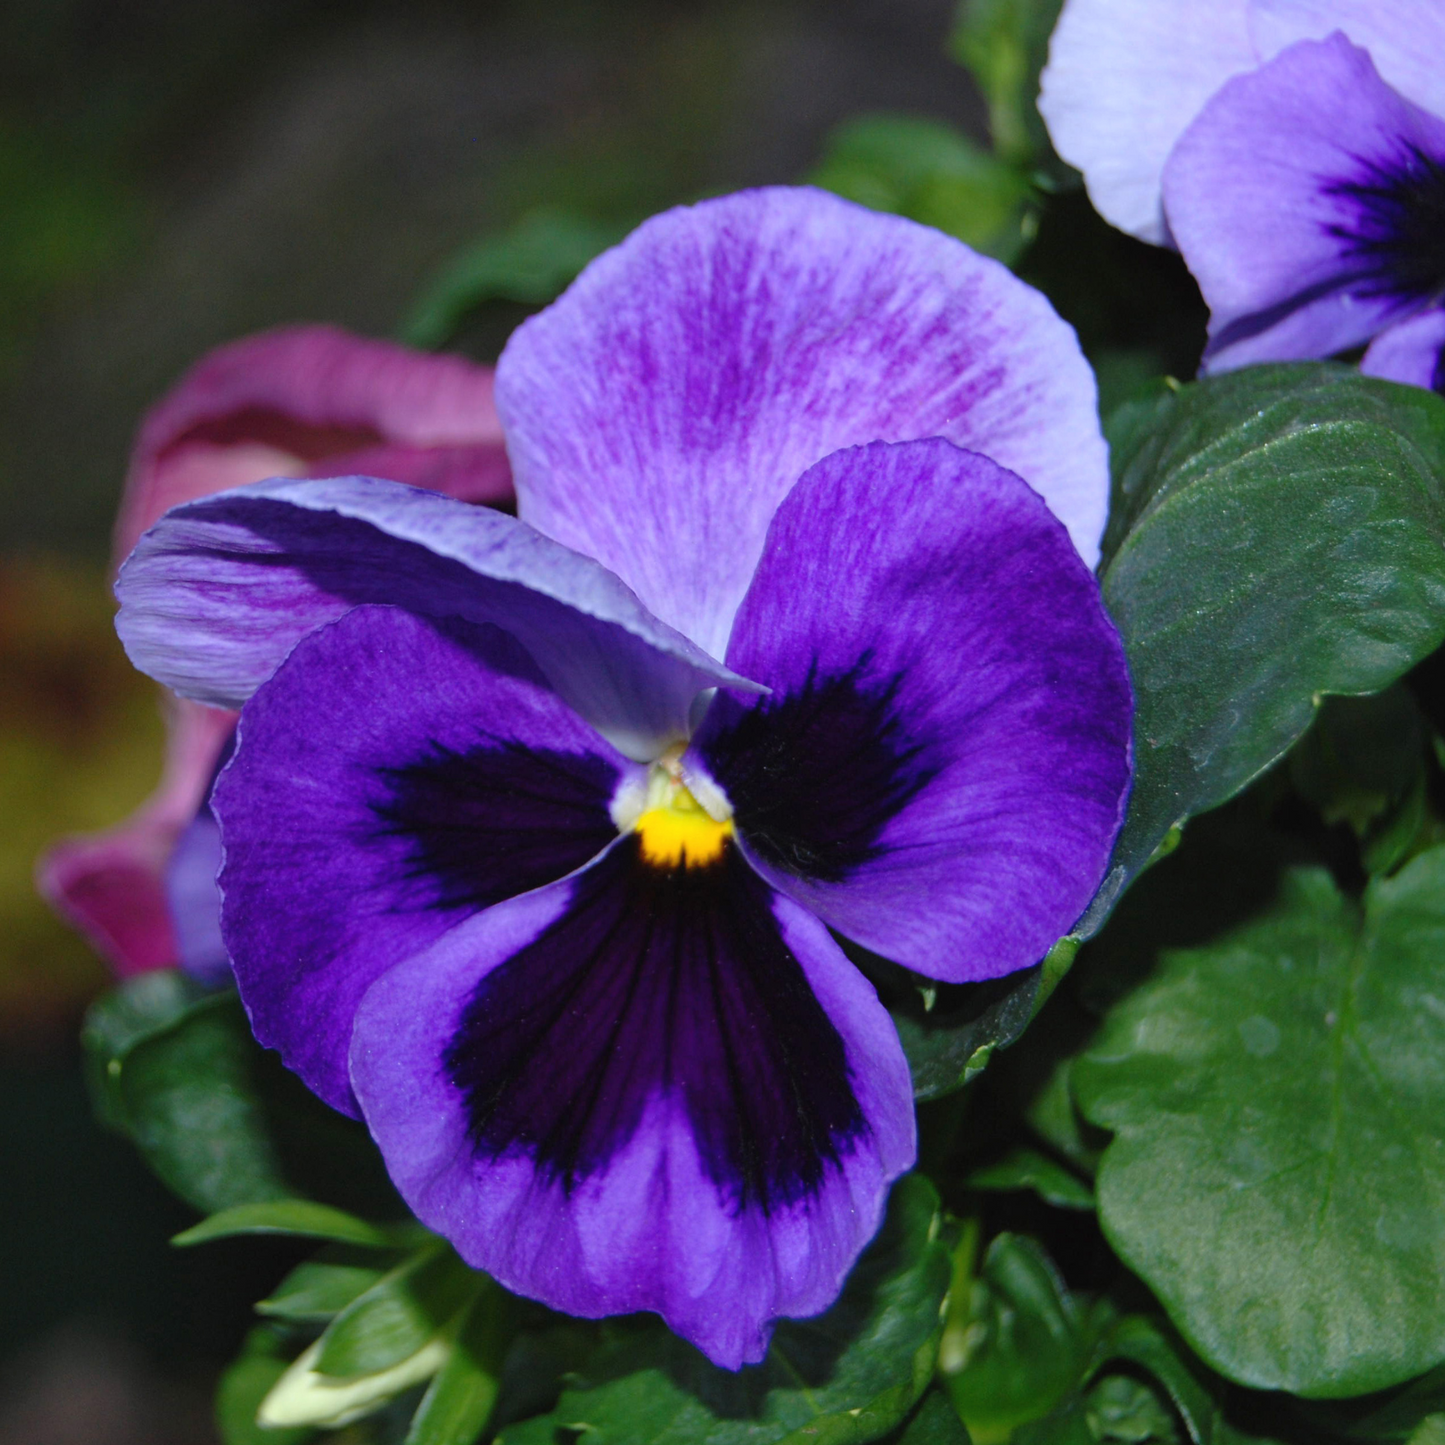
(175, 174)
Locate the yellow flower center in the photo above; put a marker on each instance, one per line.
(680, 834)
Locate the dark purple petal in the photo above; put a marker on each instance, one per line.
(941, 767)
(658, 413)
(393, 778)
(1412, 352)
(1308, 199)
(220, 590)
(643, 1089)
(298, 400)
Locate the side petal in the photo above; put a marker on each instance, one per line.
(643, 1089)
(1412, 352)
(661, 409)
(112, 885)
(1123, 81)
(278, 403)
(1303, 199)
(220, 590)
(942, 765)
(1406, 39)
(394, 778)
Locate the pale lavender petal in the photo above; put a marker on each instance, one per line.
(1295, 200)
(1410, 352)
(658, 413)
(306, 399)
(1123, 81)
(941, 767)
(1405, 38)
(697, 1109)
(394, 778)
(220, 590)
(194, 900)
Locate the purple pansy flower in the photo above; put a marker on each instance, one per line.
(297, 401)
(519, 871)
(1126, 78)
(1308, 199)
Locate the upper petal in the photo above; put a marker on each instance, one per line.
(941, 767)
(1124, 79)
(284, 401)
(1406, 39)
(658, 413)
(220, 590)
(1290, 198)
(643, 1089)
(392, 779)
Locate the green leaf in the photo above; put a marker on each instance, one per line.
(1277, 534)
(1004, 43)
(320, 1288)
(846, 1376)
(294, 1216)
(246, 1382)
(1028, 1169)
(950, 1031)
(1430, 1432)
(458, 1404)
(1121, 1408)
(530, 263)
(1017, 1341)
(395, 1318)
(932, 173)
(1277, 1173)
(183, 1090)
(1066, 1425)
(934, 1422)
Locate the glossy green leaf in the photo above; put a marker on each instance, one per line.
(1277, 534)
(320, 1288)
(1277, 1173)
(932, 173)
(847, 1376)
(399, 1314)
(1123, 1409)
(293, 1216)
(246, 1382)
(1004, 43)
(1017, 1341)
(531, 263)
(1028, 1169)
(459, 1401)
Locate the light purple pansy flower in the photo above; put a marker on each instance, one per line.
(300, 401)
(1126, 78)
(1308, 199)
(536, 828)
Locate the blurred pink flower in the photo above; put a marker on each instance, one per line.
(300, 401)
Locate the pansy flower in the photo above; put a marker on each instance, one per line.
(1293, 151)
(537, 829)
(301, 401)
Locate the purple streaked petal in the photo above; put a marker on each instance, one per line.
(1293, 198)
(297, 400)
(392, 779)
(220, 590)
(1406, 39)
(1412, 351)
(941, 767)
(694, 1108)
(658, 413)
(1124, 79)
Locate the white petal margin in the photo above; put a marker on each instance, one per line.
(1124, 79)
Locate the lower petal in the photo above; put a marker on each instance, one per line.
(643, 1089)
(1412, 352)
